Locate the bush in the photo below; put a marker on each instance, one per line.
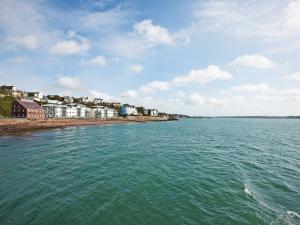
(5, 105)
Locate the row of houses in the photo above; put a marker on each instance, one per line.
(36, 105)
(30, 109)
(22, 94)
(78, 111)
(127, 109)
(40, 97)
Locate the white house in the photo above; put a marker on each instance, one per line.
(152, 112)
(81, 111)
(84, 99)
(54, 110)
(102, 112)
(76, 111)
(66, 111)
(68, 99)
(128, 110)
(110, 113)
(35, 95)
(98, 100)
(70, 111)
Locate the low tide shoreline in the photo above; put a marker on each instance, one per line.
(19, 125)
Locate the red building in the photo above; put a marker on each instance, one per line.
(27, 109)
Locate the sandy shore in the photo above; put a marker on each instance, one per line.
(17, 125)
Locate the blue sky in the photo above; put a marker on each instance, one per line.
(194, 57)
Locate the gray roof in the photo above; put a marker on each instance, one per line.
(29, 104)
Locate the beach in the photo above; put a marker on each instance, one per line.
(17, 124)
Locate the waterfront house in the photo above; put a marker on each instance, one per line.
(74, 110)
(152, 112)
(102, 112)
(128, 110)
(69, 111)
(54, 110)
(142, 111)
(81, 111)
(27, 109)
(110, 113)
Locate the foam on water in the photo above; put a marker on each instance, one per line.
(293, 214)
(288, 218)
(248, 191)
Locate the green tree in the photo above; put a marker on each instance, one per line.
(5, 105)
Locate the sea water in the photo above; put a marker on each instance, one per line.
(191, 171)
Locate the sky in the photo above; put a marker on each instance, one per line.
(195, 57)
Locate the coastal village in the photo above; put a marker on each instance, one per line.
(36, 105)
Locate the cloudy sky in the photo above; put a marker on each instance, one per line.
(197, 57)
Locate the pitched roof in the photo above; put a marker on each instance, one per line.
(6, 87)
(29, 104)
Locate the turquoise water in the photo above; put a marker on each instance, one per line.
(195, 171)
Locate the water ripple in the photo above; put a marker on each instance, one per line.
(217, 171)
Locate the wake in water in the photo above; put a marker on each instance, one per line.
(251, 193)
(288, 217)
(293, 214)
(247, 190)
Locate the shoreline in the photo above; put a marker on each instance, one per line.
(14, 125)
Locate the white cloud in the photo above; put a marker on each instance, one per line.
(69, 47)
(267, 20)
(255, 61)
(68, 82)
(136, 68)
(209, 74)
(293, 76)
(153, 33)
(292, 15)
(262, 87)
(196, 99)
(105, 96)
(97, 61)
(145, 37)
(29, 42)
(130, 94)
(155, 86)
(194, 76)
